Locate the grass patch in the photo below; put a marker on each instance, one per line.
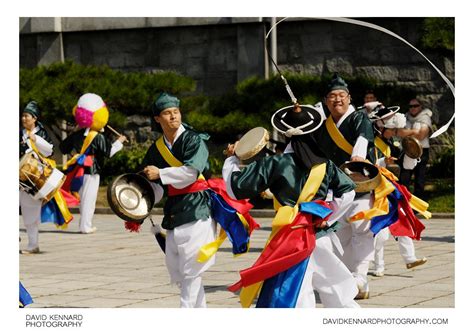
(439, 194)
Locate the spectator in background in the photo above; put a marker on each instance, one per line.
(369, 96)
(418, 118)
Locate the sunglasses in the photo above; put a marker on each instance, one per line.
(413, 105)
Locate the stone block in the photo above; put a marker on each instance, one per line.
(382, 73)
(341, 65)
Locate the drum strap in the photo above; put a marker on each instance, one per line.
(51, 162)
(337, 136)
(382, 146)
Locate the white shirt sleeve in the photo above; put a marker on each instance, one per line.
(381, 162)
(340, 205)
(178, 177)
(116, 146)
(43, 146)
(231, 164)
(360, 147)
(158, 191)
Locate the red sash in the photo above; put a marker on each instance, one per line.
(199, 185)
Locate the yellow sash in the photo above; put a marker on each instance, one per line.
(206, 251)
(337, 136)
(381, 205)
(89, 138)
(382, 146)
(168, 156)
(285, 216)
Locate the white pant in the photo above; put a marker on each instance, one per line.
(182, 246)
(379, 242)
(405, 245)
(357, 242)
(31, 213)
(88, 194)
(329, 277)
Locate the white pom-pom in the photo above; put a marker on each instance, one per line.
(397, 121)
(90, 102)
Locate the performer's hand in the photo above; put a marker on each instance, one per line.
(230, 150)
(390, 160)
(357, 158)
(296, 107)
(122, 139)
(32, 137)
(372, 105)
(152, 172)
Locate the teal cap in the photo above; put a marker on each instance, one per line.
(164, 101)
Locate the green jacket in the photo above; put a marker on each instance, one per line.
(285, 179)
(355, 125)
(99, 148)
(191, 150)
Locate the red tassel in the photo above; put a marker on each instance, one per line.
(133, 226)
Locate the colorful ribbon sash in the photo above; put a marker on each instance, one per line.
(25, 297)
(232, 215)
(291, 242)
(76, 165)
(393, 207)
(55, 210)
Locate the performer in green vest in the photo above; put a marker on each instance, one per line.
(174, 164)
(92, 148)
(386, 122)
(347, 135)
(286, 175)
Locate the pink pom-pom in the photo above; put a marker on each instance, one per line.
(83, 117)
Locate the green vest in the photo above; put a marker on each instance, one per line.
(99, 148)
(355, 125)
(286, 179)
(192, 151)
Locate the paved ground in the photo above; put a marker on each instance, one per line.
(117, 269)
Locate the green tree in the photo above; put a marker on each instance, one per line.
(438, 33)
(58, 86)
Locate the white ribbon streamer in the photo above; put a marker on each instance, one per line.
(391, 33)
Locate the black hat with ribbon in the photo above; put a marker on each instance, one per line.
(297, 120)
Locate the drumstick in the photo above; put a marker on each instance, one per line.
(116, 132)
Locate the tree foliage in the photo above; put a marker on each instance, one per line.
(438, 33)
(57, 88)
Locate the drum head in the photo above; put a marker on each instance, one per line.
(365, 175)
(412, 147)
(28, 166)
(131, 197)
(252, 143)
